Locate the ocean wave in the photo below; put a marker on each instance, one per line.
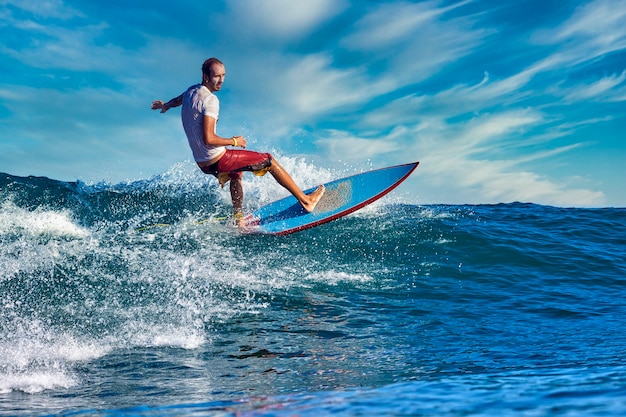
(100, 311)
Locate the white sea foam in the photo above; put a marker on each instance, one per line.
(34, 358)
(36, 381)
(156, 335)
(38, 223)
(332, 277)
(435, 213)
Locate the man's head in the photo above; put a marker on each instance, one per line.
(213, 73)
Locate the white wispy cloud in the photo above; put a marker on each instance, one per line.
(595, 29)
(599, 24)
(314, 88)
(409, 42)
(390, 24)
(605, 89)
(394, 45)
(341, 146)
(55, 9)
(282, 20)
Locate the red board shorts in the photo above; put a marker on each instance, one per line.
(235, 162)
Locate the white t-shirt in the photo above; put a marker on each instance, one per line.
(199, 101)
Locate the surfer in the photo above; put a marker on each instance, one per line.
(199, 114)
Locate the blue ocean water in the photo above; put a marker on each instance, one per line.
(398, 309)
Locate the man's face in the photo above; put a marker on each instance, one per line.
(216, 79)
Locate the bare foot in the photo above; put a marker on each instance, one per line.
(238, 219)
(313, 199)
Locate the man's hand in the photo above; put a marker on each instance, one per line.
(158, 104)
(239, 141)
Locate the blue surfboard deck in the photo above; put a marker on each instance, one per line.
(342, 197)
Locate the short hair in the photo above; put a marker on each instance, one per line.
(206, 66)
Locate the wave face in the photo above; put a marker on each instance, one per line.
(396, 309)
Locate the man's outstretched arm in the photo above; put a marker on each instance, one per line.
(175, 102)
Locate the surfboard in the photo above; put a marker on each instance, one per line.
(342, 197)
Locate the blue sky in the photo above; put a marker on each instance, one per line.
(500, 100)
